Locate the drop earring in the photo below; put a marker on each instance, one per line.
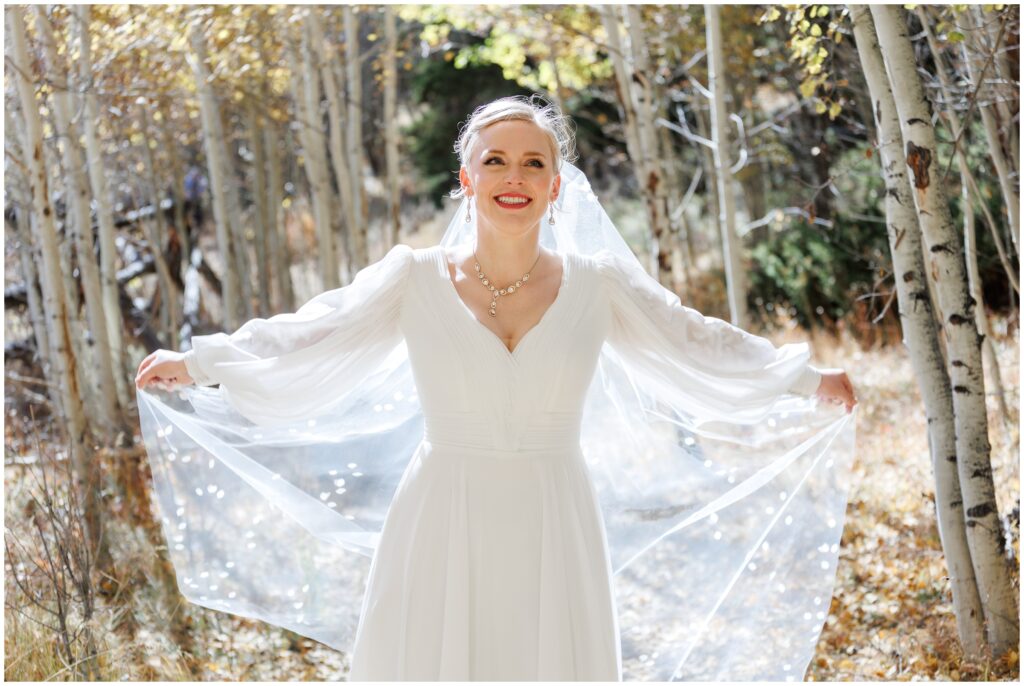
(551, 214)
(469, 218)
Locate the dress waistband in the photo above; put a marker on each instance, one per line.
(539, 433)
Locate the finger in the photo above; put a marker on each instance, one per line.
(145, 365)
(148, 378)
(147, 360)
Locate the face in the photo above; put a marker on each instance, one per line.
(510, 174)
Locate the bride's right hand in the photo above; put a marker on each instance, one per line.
(164, 369)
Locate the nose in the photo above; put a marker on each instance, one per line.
(514, 176)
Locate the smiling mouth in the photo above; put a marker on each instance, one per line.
(513, 203)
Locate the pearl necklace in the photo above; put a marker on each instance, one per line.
(495, 291)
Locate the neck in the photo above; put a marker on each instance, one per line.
(506, 258)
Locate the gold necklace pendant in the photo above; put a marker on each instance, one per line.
(495, 291)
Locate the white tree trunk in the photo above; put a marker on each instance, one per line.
(307, 85)
(984, 530)
(975, 64)
(79, 218)
(231, 287)
(970, 239)
(51, 283)
(104, 210)
(28, 251)
(278, 237)
(155, 231)
(338, 120)
(354, 84)
(1007, 89)
(639, 109)
(714, 212)
(259, 181)
(921, 336)
(394, 192)
(736, 282)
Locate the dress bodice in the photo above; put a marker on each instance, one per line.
(473, 390)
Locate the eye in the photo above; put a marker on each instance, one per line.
(539, 163)
(489, 159)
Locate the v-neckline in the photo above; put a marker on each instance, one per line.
(511, 354)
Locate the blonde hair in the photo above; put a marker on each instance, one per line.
(557, 126)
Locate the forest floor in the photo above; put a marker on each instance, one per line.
(891, 616)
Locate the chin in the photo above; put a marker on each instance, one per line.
(514, 226)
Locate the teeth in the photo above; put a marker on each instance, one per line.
(513, 201)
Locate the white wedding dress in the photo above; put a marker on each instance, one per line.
(493, 561)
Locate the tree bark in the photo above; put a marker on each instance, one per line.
(984, 530)
(975, 66)
(731, 246)
(337, 124)
(637, 101)
(217, 166)
(354, 85)
(79, 218)
(259, 182)
(104, 210)
(394, 191)
(28, 250)
(313, 152)
(278, 237)
(921, 336)
(155, 231)
(970, 238)
(87, 473)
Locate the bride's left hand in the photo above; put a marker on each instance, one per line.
(835, 387)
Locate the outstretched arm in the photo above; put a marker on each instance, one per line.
(291, 365)
(710, 366)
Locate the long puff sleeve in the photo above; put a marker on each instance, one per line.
(297, 364)
(712, 368)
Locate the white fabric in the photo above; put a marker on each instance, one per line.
(633, 492)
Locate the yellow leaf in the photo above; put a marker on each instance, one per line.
(815, 30)
(820, 107)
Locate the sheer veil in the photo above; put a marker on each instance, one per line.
(723, 526)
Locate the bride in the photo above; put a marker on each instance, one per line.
(553, 469)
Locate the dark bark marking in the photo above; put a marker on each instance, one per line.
(920, 297)
(958, 320)
(918, 160)
(958, 363)
(899, 239)
(961, 389)
(982, 510)
(652, 182)
(909, 276)
(915, 120)
(942, 247)
(983, 472)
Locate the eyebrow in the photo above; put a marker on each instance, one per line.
(502, 152)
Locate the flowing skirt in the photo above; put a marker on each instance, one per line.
(491, 566)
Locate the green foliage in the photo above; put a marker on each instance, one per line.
(528, 42)
(447, 95)
(817, 271)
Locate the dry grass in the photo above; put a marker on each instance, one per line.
(891, 616)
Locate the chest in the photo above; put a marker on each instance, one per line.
(516, 313)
